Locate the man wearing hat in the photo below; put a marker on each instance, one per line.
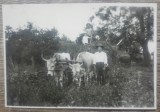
(100, 63)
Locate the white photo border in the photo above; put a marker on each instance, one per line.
(153, 5)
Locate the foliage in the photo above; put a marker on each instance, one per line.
(27, 87)
(26, 45)
(123, 87)
(129, 25)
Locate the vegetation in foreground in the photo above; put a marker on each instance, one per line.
(125, 87)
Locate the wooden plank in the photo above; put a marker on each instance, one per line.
(76, 1)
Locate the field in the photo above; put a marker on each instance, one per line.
(126, 86)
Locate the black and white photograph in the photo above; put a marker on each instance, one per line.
(80, 55)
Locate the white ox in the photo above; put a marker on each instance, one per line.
(51, 66)
(86, 60)
(50, 63)
(62, 56)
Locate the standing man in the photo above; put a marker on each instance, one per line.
(100, 63)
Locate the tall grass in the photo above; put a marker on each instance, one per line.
(125, 86)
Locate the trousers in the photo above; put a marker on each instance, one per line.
(100, 73)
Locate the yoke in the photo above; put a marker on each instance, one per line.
(63, 65)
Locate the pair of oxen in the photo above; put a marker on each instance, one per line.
(81, 67)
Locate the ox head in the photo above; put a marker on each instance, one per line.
(76, 70)
(50, 65)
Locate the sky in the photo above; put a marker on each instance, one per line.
(68, 19)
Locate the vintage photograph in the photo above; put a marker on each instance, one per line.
(80, 55)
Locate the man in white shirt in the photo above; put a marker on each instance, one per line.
(100, 63)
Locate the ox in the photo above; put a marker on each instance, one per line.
(62, 56)
(55, 68)
(78, 72)
(86, 60)
(50, 63)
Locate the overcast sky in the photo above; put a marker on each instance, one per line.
(68, 19)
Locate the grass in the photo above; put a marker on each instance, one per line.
(125, 87)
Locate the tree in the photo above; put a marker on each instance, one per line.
(25, 46)
(128, 25)
(145, 32)
(80, 39)
(64, 38)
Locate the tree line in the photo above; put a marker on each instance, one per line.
(132, 26)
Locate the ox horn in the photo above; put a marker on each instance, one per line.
(43, 57)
